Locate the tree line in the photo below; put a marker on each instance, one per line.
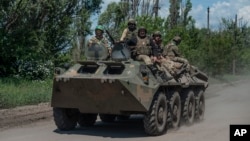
(36, 35)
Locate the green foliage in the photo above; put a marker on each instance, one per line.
(15, 92)
(34, 70)
(38, 31)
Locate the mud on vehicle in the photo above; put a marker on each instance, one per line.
(112, 88)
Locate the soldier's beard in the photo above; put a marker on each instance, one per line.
(131, 28)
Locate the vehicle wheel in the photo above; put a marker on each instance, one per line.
(189, 108)
(107, 117)
(65, 119)
(87, 119)
(200, 106)
(175, 115)
(155, 121)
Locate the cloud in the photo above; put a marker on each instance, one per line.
(199, 12)
(244, 14)
(218, 9)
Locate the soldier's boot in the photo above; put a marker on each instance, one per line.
(181, 71)
(153, 69)
(161, 74)
(164, 76)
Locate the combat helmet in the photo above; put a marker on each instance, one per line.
(142, 28)
(177, 39)
(157, 33)
(99, 27)
(131, 21)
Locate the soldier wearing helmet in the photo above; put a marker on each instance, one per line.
(130, 31)
(171, 52)
(142, 51)
(165, 63)
(158, 41)
(99, 38)
(171, 49)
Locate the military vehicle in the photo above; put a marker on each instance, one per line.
(111, 87)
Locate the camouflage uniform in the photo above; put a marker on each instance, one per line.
(143, 50)
(130, 31)
(171, 50)
(103, 41)
(164, 63)
(99, 38)
(128, 34)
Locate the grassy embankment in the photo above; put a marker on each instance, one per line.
(16, 92)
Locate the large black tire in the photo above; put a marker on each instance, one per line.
(107, 117)
(200, 106)
(155, 121)
(65, 119)
(175, 114)
(189, 108)
(87, 119)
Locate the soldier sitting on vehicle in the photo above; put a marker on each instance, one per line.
(171, 52)
(168, 65)
(142, 51)
(99, 39)
(130, 31)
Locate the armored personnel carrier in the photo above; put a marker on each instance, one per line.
(111, 87)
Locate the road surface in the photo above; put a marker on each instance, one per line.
(225, 105)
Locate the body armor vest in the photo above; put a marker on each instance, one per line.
(130, 34)
(143, 46)
(167, 51)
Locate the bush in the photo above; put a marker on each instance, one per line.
(35, 70)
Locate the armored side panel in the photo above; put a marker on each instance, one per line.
(96, 86)
(103, 87)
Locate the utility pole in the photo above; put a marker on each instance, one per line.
(208, 41)
(156, 8)
(208, 28)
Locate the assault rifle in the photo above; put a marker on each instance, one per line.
(110, 37)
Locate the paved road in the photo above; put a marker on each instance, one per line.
(224, 106)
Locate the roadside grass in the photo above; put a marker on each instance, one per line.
(16, 92)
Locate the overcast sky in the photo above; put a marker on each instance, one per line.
(218, 9)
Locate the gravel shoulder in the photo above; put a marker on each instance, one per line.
(18, 116)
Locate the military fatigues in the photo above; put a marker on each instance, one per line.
(128, 34)
(103, 42)
(143, 50)
(171, 50)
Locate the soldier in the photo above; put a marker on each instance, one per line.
(144, 48)
(99, 38)
(171, 50)
(130, 31)
(166, 63)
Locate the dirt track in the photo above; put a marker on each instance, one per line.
(225, 105)
(10, 118)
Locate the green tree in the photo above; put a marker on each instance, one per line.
(35, 31)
